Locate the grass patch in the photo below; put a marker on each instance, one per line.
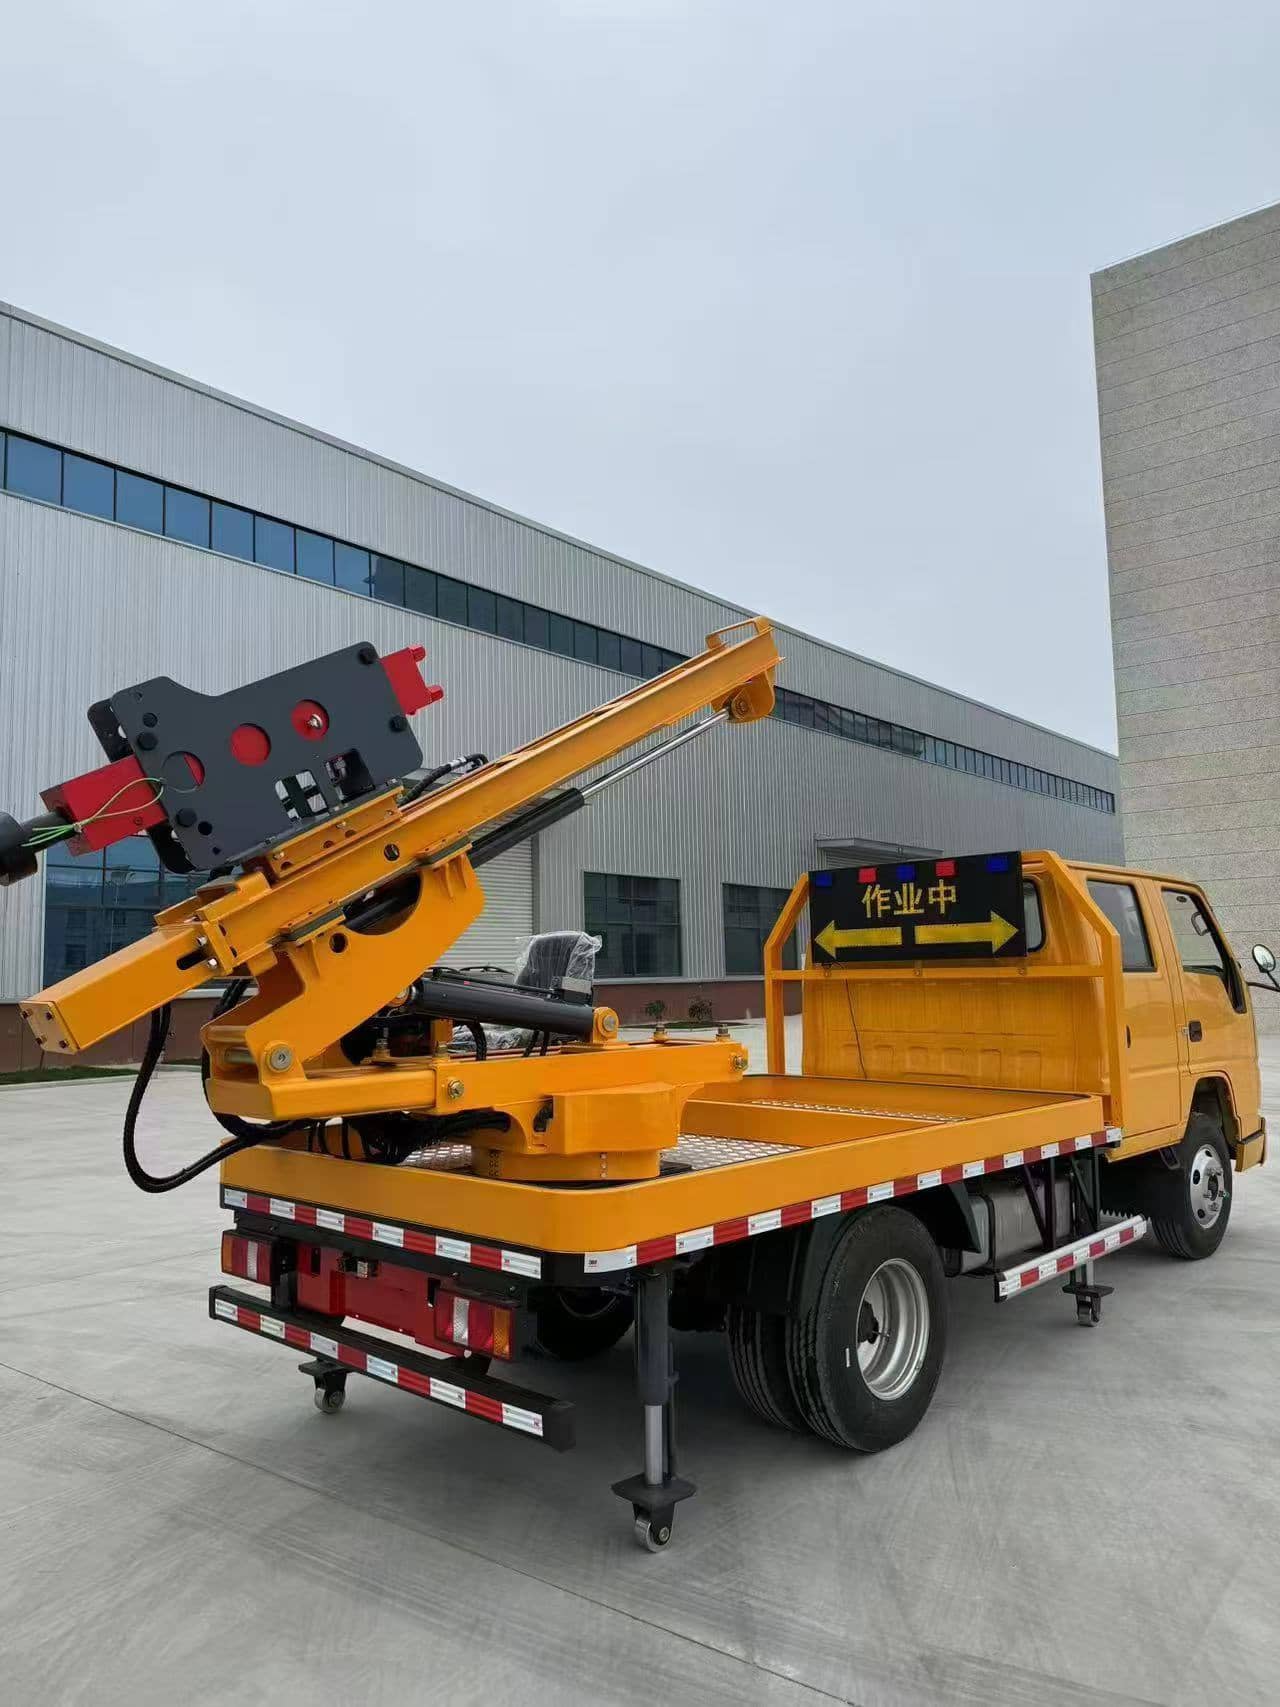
(56, 1075)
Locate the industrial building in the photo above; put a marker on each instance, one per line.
(1187, 342)
(151, 525)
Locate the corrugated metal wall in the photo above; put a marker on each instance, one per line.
(86, 605)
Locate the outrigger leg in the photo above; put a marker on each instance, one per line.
(655, 1492)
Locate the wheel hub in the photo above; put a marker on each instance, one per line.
(893, 1329)
(1206, 1185)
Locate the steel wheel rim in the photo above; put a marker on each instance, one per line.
(893, 1329)
(1207, 1185)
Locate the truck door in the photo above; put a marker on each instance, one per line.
(1155, 1068)
(1216, 1033)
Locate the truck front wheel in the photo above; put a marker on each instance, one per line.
(865, 1360)
(1191, 1205)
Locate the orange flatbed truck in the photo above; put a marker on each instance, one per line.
(1011, 1066)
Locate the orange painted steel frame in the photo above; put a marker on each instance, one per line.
(613, 1106)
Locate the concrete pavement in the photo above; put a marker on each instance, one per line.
(1083, 1517)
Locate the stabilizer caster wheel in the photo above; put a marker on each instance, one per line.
(329, 1399)
(1088, 1312)
(653, 1530)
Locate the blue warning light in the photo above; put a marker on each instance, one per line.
(906, 873)
(997, 862)
(822, 880)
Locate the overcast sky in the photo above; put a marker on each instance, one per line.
(789, 300)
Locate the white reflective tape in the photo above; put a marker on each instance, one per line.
(235, 1199)
(825, 1206)
(281, 1208)
(458, 1249)
(1083, 1143)
(324, 1347)
(1048, 1150)
(528, 1421)
(699, 1239)
(606, 1262)
(381, 1368)
(1013, 1158)
(222, 1307)
(447, 1393)
(765, 1222)
(333, 1219)
(1111, 1241)
(516, 1262)
(1048, 1268)
(924, 1181)
(1114, 1134)
(271, 1326)
(877, 1193)
(461, 1322)
(387, 1234)
(972, 1169)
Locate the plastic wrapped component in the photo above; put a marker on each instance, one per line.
(562, 962)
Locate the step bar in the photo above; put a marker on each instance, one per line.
(1012, 1282)
(446, 1381)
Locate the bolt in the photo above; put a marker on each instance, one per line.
(738, 1063)
(608, 1022)
(279, 1058)
(149, 719)
(391, 852)
(722, 1033)
(186, 818)
(147, 741)
(315, 721)
(367, 655)
(399, 723)
(453, 1090)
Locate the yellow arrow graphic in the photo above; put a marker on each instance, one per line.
(884, 936)
(995, 932)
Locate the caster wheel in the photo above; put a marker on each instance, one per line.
(329, 1399)
(1088, 1312)
(653, 1533)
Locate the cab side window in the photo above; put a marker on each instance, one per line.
(1200, 948)
(1119, 901)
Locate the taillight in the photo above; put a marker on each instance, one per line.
(473, 1325)
(250, 1259)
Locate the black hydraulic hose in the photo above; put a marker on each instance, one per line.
(467, 763)
(156, 1038)
(478, 1037)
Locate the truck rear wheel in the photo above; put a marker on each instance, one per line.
(1192, 1205)
(572, 1323)
(865, 1360)
(758, 1359)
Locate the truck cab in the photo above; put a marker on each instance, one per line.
(1189, 1029)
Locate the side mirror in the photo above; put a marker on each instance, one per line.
(1263, 958)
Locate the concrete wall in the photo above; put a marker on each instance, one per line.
(87, 606)
(1187, 342)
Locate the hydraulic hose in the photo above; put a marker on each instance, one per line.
(144, 1181)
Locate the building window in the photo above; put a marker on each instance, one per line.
(272, 544)
(89, 486)
(34, 470)
(638, 922)
(233, 531)
(750, 913)
(186, 517)
(100, 902)
(315, 556)
(351, 568)
(140, 502)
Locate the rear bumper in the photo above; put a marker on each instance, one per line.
(446, 1381)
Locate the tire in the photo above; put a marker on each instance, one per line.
(1192, 1206)
(852, 1391)
(758, 1359)
(572, 1323)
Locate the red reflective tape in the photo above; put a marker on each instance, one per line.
(359, 1227)
(260, 1205)
(795, 1213)
(725, 1232)
(305, 1213)
(480, 1405)
(953, 1174)
(855, 1199)
(412, 1382)
(486, 1256)
(351, 1354)
(1031, 1154)
(655, 1250)
(423, 1243)
(907, 1183)
(301, 1337)
(249, 1319)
